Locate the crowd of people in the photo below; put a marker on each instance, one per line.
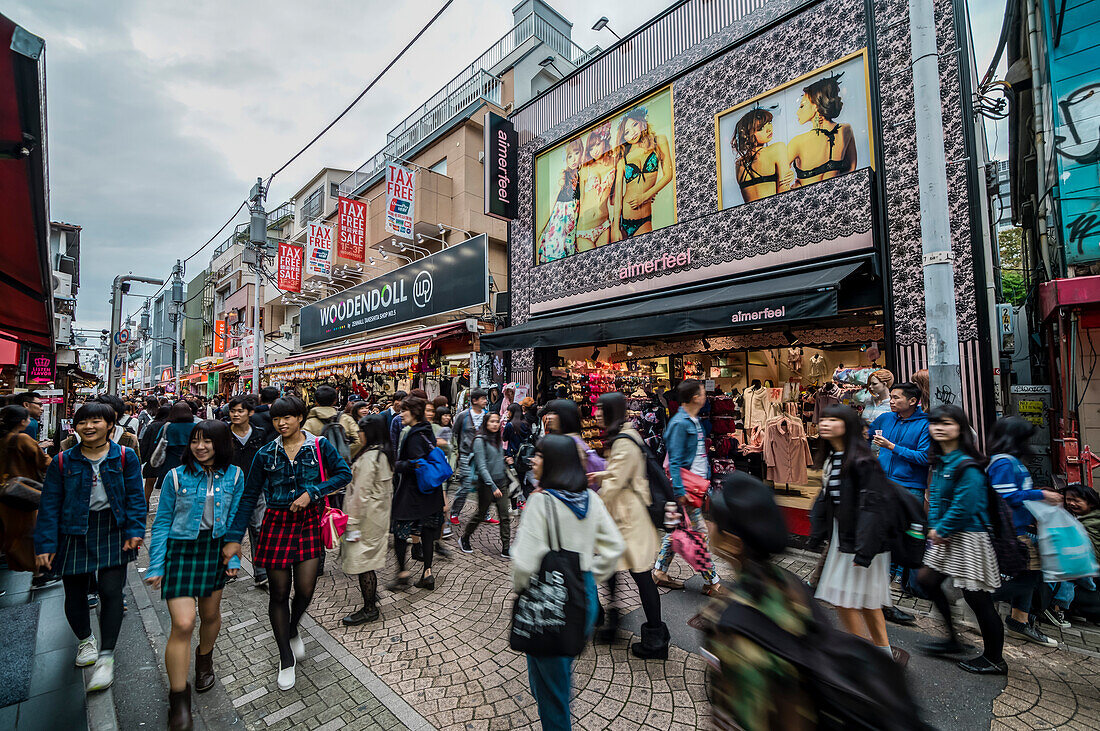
(267, 466)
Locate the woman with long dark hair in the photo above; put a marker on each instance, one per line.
(563, 505)
(563, 416)
(624, 489)
(295, 472)
(856, 575)
(177, 432)
(491, 479)
(414, 511)
(20, 456)
(596, 180)
(762, 168)
(960, 547)
(1009, 447)
(147, 443)
(828, 149)
(197, 503)
(367, 504)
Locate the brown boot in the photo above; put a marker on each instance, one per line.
(179, 710)
(204, 671)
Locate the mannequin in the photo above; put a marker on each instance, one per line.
(794, 358)
(818, 368)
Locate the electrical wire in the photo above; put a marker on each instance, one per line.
(363, 93)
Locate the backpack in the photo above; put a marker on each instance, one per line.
(907, 527)
(127, 423)
(660, 486)
(334, 431)
(1012, 555)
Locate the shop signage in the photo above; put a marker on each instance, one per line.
(501, 194)
(663, 263)
(166, 374)
(400, 200)
(395, 352)
(290, 267)
(318, 249)
(221, 336)
(40, 367)
(53, 400)
(351, 241)
(212, 382)
(455, 278)
(248, 352)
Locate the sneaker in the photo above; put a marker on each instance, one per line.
(447, 532)
(464, 545)
(505, 554)
(93, 601)
(491, 520)
(286, 678)
(442, 551)
(454, 520)
(1028, 632)
(261, 582)
(1056, 617)
(981, 665)
(298, 647)
(87, 652)
(103, 674)
(43, 580)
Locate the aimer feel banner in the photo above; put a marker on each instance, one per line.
(455, 278)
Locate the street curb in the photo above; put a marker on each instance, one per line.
(393, 702)
(100, 707)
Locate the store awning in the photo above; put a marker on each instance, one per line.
(764, 301)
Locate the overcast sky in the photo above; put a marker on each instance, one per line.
(162, 115)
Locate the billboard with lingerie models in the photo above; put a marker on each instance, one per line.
(612, 182)
(812, 128)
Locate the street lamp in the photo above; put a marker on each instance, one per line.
(601, 24)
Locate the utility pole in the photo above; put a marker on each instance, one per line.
(120, 286)
(257, 237)
(175, 314)
(941, 320)
(143, 329)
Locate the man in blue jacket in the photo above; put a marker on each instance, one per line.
(902, 440)
(686, 444)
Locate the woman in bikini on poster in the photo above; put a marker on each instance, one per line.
(828, 149)
(597, 179)
(559, 236)
(644, 168)
(762, 165)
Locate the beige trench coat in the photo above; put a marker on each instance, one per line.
(624, 489)
(368, 500)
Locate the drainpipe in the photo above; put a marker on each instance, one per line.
(1037, 88)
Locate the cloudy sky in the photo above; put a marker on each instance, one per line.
(162, 115)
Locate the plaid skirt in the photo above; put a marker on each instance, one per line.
(288, 538)
(99, 548)
(193, 568)
(403, 529)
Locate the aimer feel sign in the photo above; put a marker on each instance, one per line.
(455, 278)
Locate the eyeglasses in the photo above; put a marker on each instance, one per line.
(36, 403)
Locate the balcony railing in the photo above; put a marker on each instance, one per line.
(275, 218)
(472, 84)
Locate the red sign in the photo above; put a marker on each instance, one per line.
(40, 367)
(166, 374)
(53, 400)
(290, 267)
(352, 243)
(221, 336)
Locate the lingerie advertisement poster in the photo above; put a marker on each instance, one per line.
(813, 128)
(612, 182)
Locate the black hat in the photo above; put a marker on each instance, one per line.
(745, 507)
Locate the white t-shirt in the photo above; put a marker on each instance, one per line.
(98, 499)
(208, 507)
(477, 418)
(699, 464)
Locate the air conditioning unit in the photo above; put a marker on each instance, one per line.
(63, 328)
(287, 331)
(62, 285)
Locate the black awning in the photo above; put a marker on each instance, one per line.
(763, 301)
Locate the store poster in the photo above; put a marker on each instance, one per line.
(318, 249)
(290, 267)
(351, 241)
(812, 128)
(612, 182)
(400, 200)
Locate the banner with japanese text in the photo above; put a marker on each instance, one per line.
(221, 336)
(352, 237)
(319, 249)
(400, 200)
(290, 267)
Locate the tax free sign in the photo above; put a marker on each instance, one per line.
(455, 278)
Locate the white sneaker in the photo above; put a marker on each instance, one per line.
(286, 678)
(87, 652)
(103, 674)
(298, 647)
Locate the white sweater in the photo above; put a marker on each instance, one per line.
(596, 538)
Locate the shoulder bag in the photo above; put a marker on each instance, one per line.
(333, 520)
(157, 457)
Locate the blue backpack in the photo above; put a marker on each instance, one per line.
(432, 471)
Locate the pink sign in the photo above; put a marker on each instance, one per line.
(40, 367)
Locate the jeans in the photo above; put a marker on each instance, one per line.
(1064, 591)
(460, 484)
(664, 558)
(552, 677)
(1019, 590)
(485, 500)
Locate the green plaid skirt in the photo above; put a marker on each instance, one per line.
(193, 568)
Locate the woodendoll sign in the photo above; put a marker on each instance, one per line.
(452, 279)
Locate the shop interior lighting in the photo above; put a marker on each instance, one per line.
(629, 352)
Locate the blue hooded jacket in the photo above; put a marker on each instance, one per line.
(907, 463)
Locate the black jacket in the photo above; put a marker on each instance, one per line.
(243, 454)
(863, 517)
(408, 502)
(261, 418)
(148, 441)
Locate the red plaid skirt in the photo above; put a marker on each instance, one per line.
(288, 538)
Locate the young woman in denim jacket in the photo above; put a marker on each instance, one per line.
(91, 521)
(197, 502)
(294, 472)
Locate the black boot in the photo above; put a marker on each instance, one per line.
(179, 710)
(417, 552)
(654, 644)
(204, 671)
(607, 633)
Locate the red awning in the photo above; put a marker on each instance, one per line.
(424, 336)
(1076, 293)
(26, 282)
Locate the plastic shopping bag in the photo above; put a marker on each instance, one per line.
(1064, 546)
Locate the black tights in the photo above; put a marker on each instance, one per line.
(647, 590)
(368, 584)
(980, 602)
(428, 537)
(284, 613)
(110, 604)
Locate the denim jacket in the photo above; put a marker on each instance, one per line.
(179, 514)
(282, 481)
(682, 442)
(63, 509)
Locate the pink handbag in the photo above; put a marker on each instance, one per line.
(333, 520)
(691, 545)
